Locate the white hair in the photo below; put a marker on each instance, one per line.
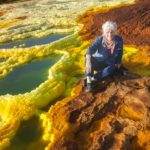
(109, 25)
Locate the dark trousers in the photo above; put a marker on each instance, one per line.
(102, 70)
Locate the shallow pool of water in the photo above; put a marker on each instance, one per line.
(27, 77)
(34, 41)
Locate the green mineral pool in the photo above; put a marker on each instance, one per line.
(26, 78)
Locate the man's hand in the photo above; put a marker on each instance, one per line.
(88, 64)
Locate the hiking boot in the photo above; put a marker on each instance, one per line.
(88, 87)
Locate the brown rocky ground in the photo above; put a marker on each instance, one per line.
(113, 117)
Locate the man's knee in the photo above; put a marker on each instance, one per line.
(109, 70)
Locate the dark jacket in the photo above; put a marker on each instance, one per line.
(100, 52)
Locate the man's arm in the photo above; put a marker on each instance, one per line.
(92, 49)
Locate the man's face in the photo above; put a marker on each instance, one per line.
(109, 34)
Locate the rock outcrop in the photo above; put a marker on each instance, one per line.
(114, 116)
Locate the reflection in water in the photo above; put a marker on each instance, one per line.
(28, 77)
(34, 41)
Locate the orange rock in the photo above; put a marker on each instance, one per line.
(109, 118)
(142, 141)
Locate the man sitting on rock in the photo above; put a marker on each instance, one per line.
(104, 56)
